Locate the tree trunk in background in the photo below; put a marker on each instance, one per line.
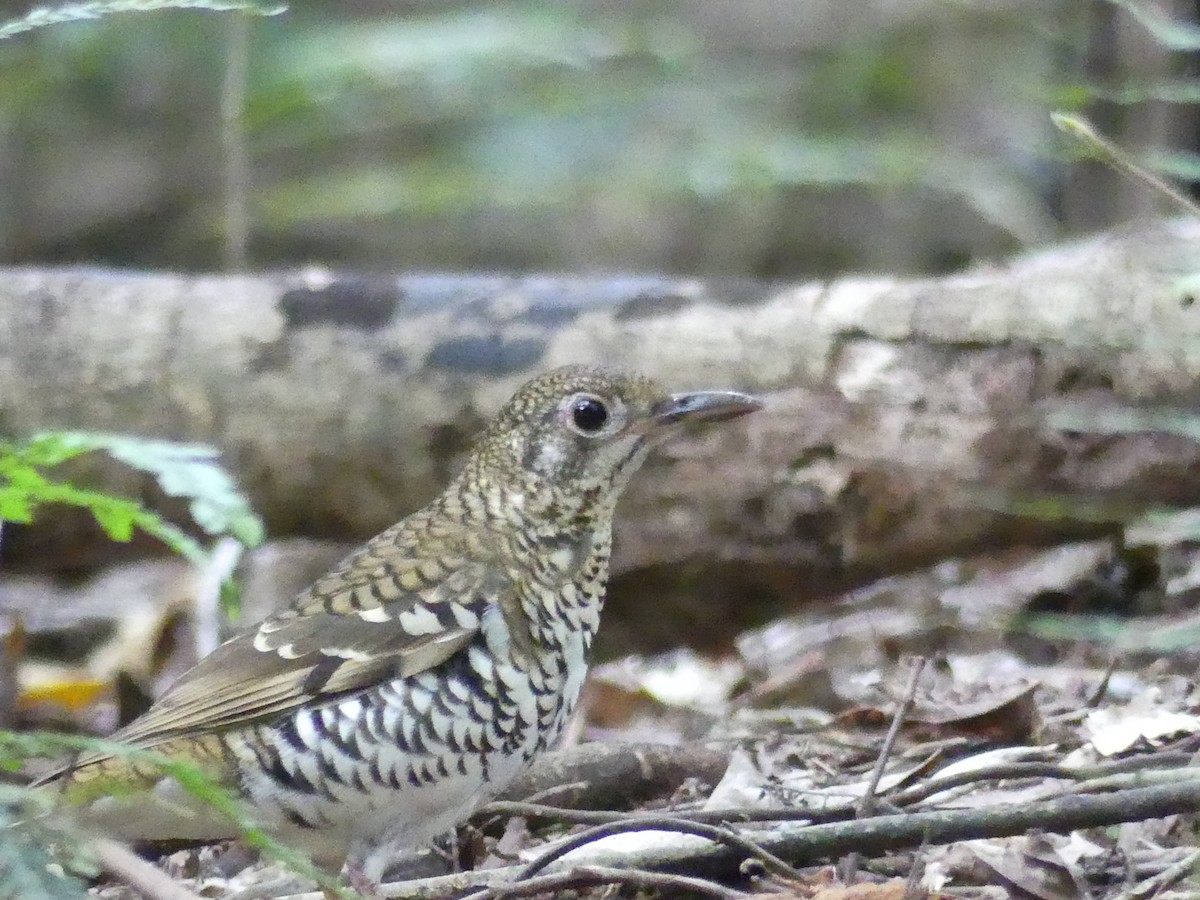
(906, 420)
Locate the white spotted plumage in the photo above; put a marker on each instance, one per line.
(416, 679)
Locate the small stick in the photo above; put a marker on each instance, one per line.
(1164, 879)
(1102, 688)
(866, 806)
(841, 811)
(594, 875)
(871, 836)
(663, 823)
(148, 880)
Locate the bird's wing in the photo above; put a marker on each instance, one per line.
(385, 612)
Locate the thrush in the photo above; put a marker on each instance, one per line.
(416, 679)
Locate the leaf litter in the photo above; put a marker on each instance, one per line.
(1002, 717)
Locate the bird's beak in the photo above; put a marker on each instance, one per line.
(702, 406)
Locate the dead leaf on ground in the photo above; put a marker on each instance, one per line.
(1030, 867)
(1145, 719)
(998, 710)
(888, 890)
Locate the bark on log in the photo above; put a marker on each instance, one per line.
(905, 417)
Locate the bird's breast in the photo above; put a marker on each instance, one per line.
(423, 749)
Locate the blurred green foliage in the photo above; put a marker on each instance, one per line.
(41, 820)
(181, 470)
(68, 13)
(763, 138)
(1171, 33)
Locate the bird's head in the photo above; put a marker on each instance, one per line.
(579, 432)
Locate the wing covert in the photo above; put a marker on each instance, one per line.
(339, 637)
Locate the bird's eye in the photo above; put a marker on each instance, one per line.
(589, 414)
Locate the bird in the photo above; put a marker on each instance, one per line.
(417, 678)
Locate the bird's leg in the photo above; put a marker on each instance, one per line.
(362, 883)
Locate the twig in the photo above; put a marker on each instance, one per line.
(885, 833)
(841, 811)
(1022, 770)
(1166, 878)
(552, 791)
(148, 880)
(912, 884)
(437, 887)
(1102, 688)
(1123, 781)
(1177, 871)
(585, 876)
(575, 816)
(723, 836)
(866, 806)
(648, 823)
(802, 845)
(876, 835)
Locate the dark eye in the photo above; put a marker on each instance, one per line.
(589, 414)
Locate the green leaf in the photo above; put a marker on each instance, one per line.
(15, 505)
(23, 477)
(189, 471)
(231, 598)
(116, 519)
(1171, 33)
(141, 453)
(50, 448)
(174, 537)
(247, 528)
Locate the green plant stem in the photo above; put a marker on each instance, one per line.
(1106, 151)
